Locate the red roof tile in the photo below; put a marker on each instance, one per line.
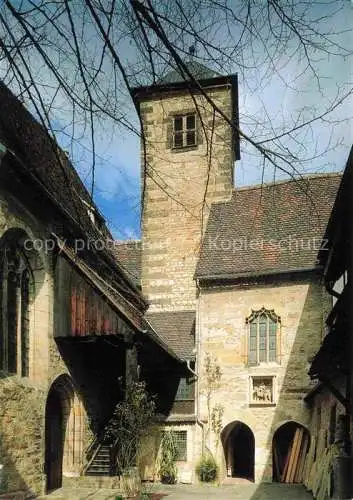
(128, 254)
(177, 329)
(268, 228)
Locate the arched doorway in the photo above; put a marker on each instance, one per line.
(63, 432)
(239, 450)
(54, 438)
(290, 445)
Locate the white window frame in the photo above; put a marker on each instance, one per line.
(184, 131)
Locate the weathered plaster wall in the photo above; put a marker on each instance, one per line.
(222, 332)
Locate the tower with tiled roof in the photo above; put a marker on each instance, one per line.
(191, 142)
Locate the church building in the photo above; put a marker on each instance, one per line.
(231, 277)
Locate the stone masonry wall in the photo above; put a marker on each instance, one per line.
(22, 399)
(174, 193)
(223, 332)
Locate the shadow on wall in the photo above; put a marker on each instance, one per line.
(97, 367)
(290, 408)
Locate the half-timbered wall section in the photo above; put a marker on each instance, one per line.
(80, 309)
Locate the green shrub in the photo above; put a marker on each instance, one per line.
(130, 423)
(207, 469)
(169, 452)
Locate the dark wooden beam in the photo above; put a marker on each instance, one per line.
(342, 399)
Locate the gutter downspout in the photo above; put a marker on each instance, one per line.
(196, 373)
(199, 422)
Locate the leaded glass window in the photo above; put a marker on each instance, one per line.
(263, 337)
(14, 310)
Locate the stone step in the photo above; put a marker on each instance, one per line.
(98, 470)
(99, 467)
(100, 481)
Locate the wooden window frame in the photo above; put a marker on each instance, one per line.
(184, 131)
(254, 318)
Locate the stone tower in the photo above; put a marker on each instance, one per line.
(187, 164)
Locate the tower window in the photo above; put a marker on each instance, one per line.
(184, 131)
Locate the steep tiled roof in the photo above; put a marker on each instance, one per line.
(199, 72)
(177, 329)
(128, 254)
(24, 136)
(31, 149)
(268, 228)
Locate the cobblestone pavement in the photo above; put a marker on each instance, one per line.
(190, 492)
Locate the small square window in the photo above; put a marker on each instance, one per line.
(190, 122)
(178, 123)
(190, 138)
(178, 139)
(184, 131)
(180, 441)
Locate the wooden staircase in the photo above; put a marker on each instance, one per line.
(100, 463)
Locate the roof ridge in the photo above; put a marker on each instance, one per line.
(314, 175)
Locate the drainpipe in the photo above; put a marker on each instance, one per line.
(195, 373)
(201, 424)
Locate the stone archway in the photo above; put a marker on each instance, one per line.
(239, 450)
(63, 432)
(282, 443)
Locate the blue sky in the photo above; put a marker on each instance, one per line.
(278, 98)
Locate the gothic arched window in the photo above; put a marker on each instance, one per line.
(14, 311)
(263, 336)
